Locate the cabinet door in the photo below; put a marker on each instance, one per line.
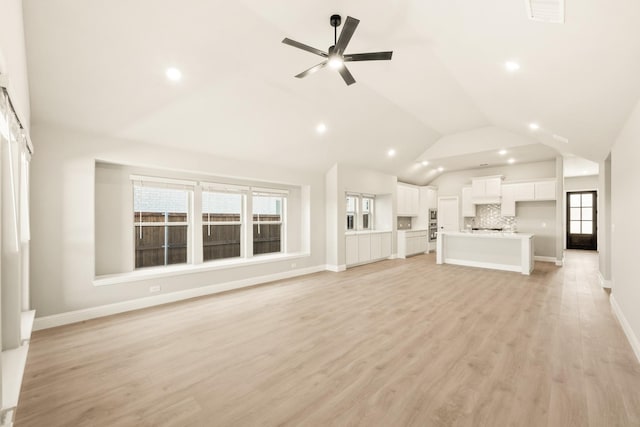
(385, 245)
(351, 250)
(468, 208)
(376, 246)
(402, 201)
(523, 192)
(414, 200)
(508, 205)
(364, 247)
(545, 190)
(492, 187)
(478, 188)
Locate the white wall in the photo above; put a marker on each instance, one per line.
(604, 221)
(625, 206)
(579, 183)
(538, 218)
(63, 225)
(13, 57)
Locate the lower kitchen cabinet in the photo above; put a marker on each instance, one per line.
(412, 242)
(365, 247)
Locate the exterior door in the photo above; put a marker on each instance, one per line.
(448, 214)
(582, 220)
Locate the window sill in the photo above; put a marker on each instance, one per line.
(178, 270)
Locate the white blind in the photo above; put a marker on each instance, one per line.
(153, 181)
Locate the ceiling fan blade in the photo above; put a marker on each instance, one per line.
(346, 75)
(311, 70)
(345, 35)
(304, 47)
(373, 56)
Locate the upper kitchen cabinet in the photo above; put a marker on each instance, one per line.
(486, 189)
(468, 207)
(545, 190)
(408, 200)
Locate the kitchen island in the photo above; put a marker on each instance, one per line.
(496, 250)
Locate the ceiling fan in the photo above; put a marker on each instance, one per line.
(335, 56)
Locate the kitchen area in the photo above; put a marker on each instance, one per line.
(479, 226)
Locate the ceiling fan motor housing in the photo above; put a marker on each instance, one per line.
(335, 20)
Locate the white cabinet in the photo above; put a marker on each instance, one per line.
(468, 207)
(545, 190)
(351, 250)
(508, 205)
(486, 189)
(408, 200)
(364, 247)
(411, 242)
(522, 191)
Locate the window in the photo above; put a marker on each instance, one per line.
(367, 213)
(221, 225)
(161, 223)
(352, 212)
(581, 213)
(360, 211)
(268, 222)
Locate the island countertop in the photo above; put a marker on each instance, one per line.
(488, 234)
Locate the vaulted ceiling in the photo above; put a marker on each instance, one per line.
(99, 66)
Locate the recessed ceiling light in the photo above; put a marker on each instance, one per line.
(511, 66)
(511, 161)
(321, 128)
(502, 152)
(174, 74)
(425, 163)
(534, 126)
(440, 169)
(391, 152)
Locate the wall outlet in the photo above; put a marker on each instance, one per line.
(155, 288)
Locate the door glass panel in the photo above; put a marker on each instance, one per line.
(587, 227)
(574, 201)
(587, 200)
(575, 227)
(587, 214)
(575, 214)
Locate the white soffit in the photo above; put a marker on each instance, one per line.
(551, 11)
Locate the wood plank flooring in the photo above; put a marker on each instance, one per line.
(396, 343)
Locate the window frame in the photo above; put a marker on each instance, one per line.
(164, 184)
(209, 223)
(359, 213)
(266, 192)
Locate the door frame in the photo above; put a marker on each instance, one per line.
(566, 215)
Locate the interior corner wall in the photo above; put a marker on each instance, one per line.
(63, 232)
(13, 57)
(625, 205)
(604, 220)
(331, 214)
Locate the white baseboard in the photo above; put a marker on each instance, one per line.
(136, 304)
(560, 262)
(544, 258)
(393, 256)
(607, 284)
(631, 336)
(335, 268)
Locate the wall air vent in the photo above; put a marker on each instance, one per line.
(551, 11)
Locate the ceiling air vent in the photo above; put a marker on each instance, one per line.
(546, 10)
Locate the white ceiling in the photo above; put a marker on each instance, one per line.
(99, 67)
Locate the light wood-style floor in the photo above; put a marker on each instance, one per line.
(402, 342)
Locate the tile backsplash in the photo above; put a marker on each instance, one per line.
(488, 216)
(404, 223)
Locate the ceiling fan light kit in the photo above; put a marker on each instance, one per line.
(335, 56)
